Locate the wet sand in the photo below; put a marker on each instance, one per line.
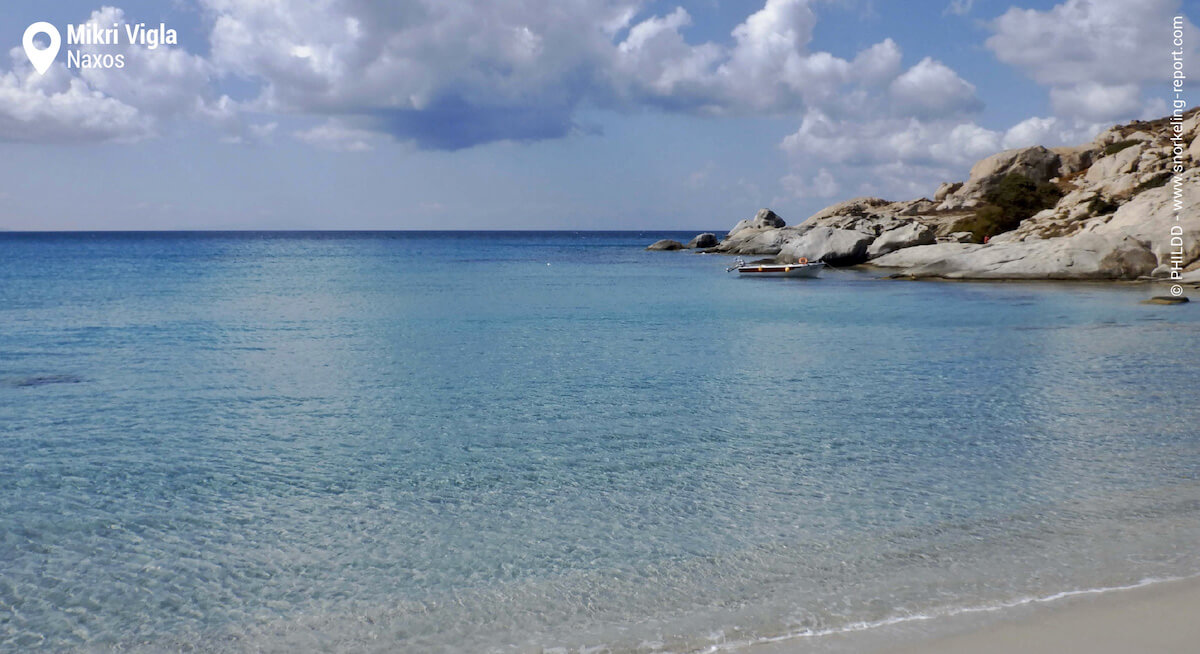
(1157, 619)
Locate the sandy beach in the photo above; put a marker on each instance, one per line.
(1157, 618)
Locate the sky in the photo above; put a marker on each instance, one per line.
(552, 114)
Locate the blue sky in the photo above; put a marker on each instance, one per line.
(552, 114)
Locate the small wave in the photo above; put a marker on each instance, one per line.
(866, 625)
(43, 380)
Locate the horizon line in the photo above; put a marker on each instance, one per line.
(317, 230)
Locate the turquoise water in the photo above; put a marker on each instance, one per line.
(474, 442)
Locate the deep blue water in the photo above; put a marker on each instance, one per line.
(468, 442)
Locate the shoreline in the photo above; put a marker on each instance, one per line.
(1152, 616)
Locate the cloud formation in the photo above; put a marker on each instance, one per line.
(457, 73)
(451, 74)
(61, 108)
(110, 104)
(1093, 56)
(352, 75)
(1097, 56)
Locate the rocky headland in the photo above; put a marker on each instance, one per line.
(1104, 210)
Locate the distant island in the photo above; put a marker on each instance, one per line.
(1125, 206)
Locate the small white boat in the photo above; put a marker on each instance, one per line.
(802, 268)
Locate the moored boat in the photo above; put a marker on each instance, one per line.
(802, 268)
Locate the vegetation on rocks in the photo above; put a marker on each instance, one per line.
(1120, 145)
(1101, 205)
(1154, 182)
(1100, 210)
(1013, 200)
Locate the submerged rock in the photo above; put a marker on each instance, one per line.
(1166, 299)
(44, 380)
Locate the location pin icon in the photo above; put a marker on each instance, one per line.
(41, 59)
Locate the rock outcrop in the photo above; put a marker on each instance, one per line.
(1101, 210)
(764, 219)
(1084, 257)
(705, 240)
(836, 247)
(1037, 164)
(906, 236)
(665, 244)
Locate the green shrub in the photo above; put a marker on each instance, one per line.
(1013, 200)
(1020, 197)
(1119, 145)
(988, 220)
(1152, 183)
(1101, 205)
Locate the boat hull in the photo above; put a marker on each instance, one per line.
(781, 270)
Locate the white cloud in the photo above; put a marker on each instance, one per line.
(878, 63)
(902, 158)
(768, 64)
(1097, 56)
(337, 136)
(655, 59)
(457, 73)
(110, 104)
(1092, 56)
(162, 82)
(943, 143)
(821, 185)
(931, 89)
(445, 74)
(1050, 132)
(959, 7)
(59, 108)
(1095, 101)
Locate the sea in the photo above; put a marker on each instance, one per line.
(559, 442)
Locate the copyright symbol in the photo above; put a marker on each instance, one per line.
(1176, 290)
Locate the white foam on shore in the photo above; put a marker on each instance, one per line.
(856, 627)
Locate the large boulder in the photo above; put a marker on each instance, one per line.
(757, 241)
(705, 240)
(909, 235)
(923, 255)
(1150, 217)
(1119, 186)
(836, 247)
(1083, 256)
(764, 219)
(946, 188)
(857, 207)
(871, 216)
(1074, 158)
(1036, 163)
(1124, 161)
(665, 244)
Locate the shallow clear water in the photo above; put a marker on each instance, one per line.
(505, 442)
